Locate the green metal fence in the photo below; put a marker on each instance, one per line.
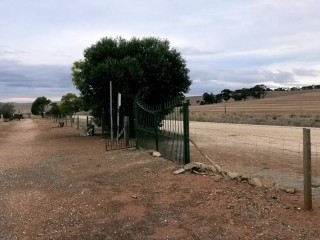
(121, 135)
(164, 128)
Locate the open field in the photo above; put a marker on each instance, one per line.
(272, 153)
(300, 108)
(56, 184)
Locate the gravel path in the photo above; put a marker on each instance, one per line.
(56, 184)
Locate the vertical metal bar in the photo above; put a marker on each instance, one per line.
(156, 130)
(135, 113)
(78, 122)
(102, 124)
(126, 130)
(111, 118)
(186, 133)
(307, 169)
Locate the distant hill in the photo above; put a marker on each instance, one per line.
(294, 102)
(195, 100)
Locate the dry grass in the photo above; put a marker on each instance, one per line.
(300, 109)
(300, 120)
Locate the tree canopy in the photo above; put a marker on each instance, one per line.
(7, 110)
(39, 105)
(258, 91)
(70, 103)
(146, 68)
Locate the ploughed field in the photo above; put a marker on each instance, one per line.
(296, 108)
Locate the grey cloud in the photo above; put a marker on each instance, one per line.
(306, 72)
(216, 80)
(18, 80)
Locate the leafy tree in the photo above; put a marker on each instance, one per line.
(146, 68)
(70, 104)
(219, 98)
(280, 89)
(258, 91)
(7, 110)
(39, 105)
(209, 98)
(294, 89)
(307, 87)
(55, 110)
(226, 94)
(241, 94)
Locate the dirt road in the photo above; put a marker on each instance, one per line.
(56, 184)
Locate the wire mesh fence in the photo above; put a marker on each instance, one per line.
(272, 153)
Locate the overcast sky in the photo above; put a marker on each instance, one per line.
(227, 43)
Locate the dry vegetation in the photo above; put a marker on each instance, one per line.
(296, 108)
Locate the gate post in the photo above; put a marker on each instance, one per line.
(155, 123)
(126, 130)
(78, 122)
(186, 133)
(135, 113)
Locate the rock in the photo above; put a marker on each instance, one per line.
(232, 174)
(181, 170)
(315, 184)
(217, 178)
(189, 166)
(255, 182)
(289, 190)
(134, 196)
(156, 154)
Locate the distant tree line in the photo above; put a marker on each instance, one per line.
(310, 87)
(256, 92)
(6, 110)
(69, 104)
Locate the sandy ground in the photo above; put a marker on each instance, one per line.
(56, 184)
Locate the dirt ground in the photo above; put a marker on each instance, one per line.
(57, 184)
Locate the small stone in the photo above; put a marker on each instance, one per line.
(217, 178)
(290, 190)
(134, 196)
(190, 166)
(181, 170)
(156, 154)
(255, 182)
(232, 174)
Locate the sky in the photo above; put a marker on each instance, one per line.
(227, 44)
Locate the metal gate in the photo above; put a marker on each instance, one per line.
(164, 128)
(120, 135)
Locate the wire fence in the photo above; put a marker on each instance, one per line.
(272, 153)
(81, 122)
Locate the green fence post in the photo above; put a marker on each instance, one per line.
(135, 109)
(186, 133)
(155, 123)
(78, 123)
